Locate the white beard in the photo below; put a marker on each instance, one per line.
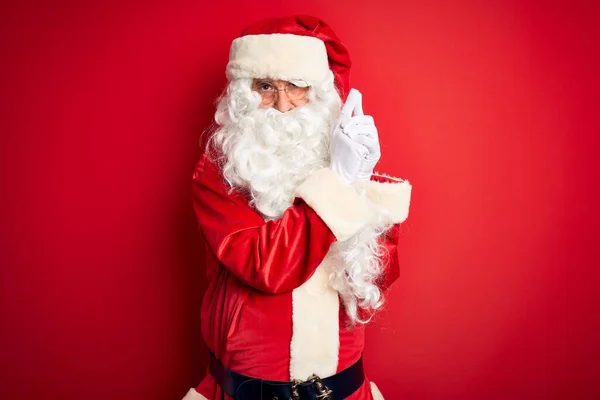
(268, 154)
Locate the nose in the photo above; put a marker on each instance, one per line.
(283, 103)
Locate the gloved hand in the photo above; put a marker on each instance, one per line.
(354, 141)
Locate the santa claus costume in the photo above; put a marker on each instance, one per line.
(298, 259)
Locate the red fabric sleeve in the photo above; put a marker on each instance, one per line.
(275, 256)
(391, 264)
(389, 240)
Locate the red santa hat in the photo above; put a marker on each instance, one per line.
(296, 48)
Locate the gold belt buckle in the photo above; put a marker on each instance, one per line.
(324, 392)
(295, 394)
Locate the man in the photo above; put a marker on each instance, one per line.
(301, 235)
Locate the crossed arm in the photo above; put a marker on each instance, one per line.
(278, 256)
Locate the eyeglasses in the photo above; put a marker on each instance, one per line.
(269, 91)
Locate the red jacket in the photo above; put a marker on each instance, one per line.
(268, 311)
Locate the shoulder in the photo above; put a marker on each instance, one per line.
(208, 180)
(209, 173)
(206, 165)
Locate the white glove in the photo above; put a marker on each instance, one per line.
(354, 141)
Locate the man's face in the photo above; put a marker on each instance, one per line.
(281, 95)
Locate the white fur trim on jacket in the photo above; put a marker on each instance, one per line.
(193, 395)
(278, 56)
(337, 203)
(391, 198)
(375, 392)
(315, 320)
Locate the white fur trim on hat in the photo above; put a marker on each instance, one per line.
(278, 56)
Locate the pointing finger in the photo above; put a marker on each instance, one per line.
(354, 98)
(358, 110)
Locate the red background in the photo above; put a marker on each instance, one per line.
(489, 108)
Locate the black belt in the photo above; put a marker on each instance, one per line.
(335, 387)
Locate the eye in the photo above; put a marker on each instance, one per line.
(264, 86)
